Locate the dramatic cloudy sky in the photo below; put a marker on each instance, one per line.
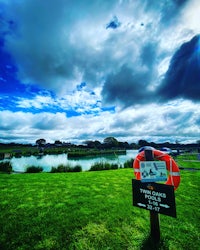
(76, 70)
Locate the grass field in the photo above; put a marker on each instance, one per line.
(189, 161)
(91, 210)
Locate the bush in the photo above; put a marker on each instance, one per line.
(53, 170)
(63, 169)
(103, 166)
(5, 167)
(77, 168)
(96, 167)
(128, 164)
(114, 166)
(33, 169)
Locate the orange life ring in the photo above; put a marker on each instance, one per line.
(172, 167)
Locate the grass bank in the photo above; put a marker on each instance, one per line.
(188, 161)
(90, 210)
(92, 153)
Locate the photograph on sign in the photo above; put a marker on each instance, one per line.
(152, 171)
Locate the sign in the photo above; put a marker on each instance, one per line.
(153, 171)
(155, 197)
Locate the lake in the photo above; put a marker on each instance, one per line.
(49, 161)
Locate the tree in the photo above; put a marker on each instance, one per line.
(111, 142)
(143, 143)
(133, 145)
(93, 144)
(58, 143)
(123, 145)
(40, 142)
(88, 143)
(97, 144)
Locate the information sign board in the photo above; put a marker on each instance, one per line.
(155, 197)
(153, 171)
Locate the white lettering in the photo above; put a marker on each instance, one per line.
(153, 198)
(163, 195)
(156, 209)
(144, 191)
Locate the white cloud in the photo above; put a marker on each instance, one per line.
(176, 120)
(39, 102)
(191, 16)
(81, 101)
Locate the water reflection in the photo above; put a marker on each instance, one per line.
(49, 161)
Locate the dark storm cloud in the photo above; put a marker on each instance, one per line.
(182, 79)
(130, 85)
(127, 87)
(180, 2)
(197, 122)
(148, 54)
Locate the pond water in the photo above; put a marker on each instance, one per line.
(49, 161)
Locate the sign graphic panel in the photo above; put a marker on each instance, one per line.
(153, 171)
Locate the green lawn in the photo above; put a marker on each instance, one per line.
(91, 210)
(188, 161)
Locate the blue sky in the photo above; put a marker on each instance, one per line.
(85, 70)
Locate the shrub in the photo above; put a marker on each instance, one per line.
(114, 166)
(33, 169)
(103, 166)
(77, 168)
(128, 164)
(5, 167)
(63, 169)
(96, 167)
(53, 170)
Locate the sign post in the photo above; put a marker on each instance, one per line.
(154, 217)
(155, 197)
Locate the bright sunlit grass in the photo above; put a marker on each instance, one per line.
(90, 210)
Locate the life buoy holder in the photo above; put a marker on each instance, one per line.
(172, 167)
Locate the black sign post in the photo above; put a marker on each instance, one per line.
(154, 217)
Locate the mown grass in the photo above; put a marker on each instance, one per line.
(90, 210)
(94, 152)
(188, 161)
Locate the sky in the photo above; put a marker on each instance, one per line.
(86, 70)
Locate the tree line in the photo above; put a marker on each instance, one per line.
(108, 143)
(112, 142)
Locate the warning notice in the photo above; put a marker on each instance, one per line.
(152, 171)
